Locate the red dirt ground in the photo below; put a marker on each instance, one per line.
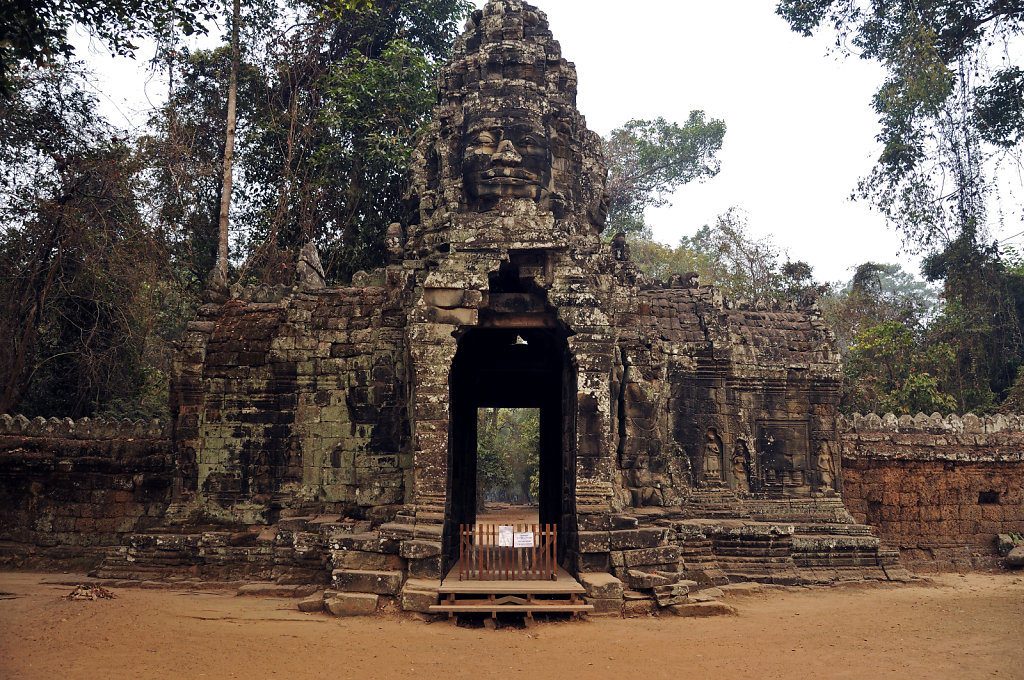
(961, 627)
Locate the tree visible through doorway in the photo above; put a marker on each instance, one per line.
(508, 456)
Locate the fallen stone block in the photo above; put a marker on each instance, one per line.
(666, 596)
(701, 609)
(352, 604)
(602, 586)
(313, 603)
(1015, 560)
(1004, 544)
(642, 580)
(745, 589)
(707, 595)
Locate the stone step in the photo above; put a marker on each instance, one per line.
(397, 531)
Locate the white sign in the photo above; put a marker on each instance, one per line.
(505, 536)
(523, 539)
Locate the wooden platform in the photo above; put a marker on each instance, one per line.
(563, 595)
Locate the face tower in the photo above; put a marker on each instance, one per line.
(507, 142)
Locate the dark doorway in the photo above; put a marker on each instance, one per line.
(512, 368)
(507, 465)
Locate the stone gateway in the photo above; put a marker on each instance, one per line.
(679, 433)
(328, 436)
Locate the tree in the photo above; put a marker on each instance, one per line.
(229, 146)
(508, 454)
(939, 107)
(36, 31)
(876, 294)
(79, 267)
(326, 161)
(727, 257)
(648, 160)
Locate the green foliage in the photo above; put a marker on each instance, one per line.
(648, 160)
(887, 369)
(80, 320)
(938, 106)
(37, 31)
(324, 158)
(508, 454)
(107, 239)
(944, 113)
(727, 257)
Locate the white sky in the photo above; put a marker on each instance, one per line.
(801, 131)
(800, 127)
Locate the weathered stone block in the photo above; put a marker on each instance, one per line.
(592, 562)
(635, 608)
(605, 607)
(352, 604)
(642, 580)
(418, 595)
(593, 541)
(379, 582)
(268, 590)
(357, 559)
(601, 586)
(1015, 560)
(631, 539)
(418, 550)
(651, 556)
(313, 603)
(426, 568)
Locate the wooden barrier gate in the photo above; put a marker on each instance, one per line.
(485, 553)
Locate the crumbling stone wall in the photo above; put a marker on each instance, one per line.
(70, 488)
(939, 488)
(292, 401)
(712, 394)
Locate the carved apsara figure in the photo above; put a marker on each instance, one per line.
(826, 474)
(712, 456)
(741, 466)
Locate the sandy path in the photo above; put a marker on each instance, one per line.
(961, 627)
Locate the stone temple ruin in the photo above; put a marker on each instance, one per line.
(328, 435)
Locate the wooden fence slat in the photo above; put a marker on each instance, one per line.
(481, 558)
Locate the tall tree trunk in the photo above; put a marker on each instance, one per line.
(229, 145)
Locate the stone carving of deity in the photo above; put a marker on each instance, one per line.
(712, 456)
(826, 475)
(741, 466)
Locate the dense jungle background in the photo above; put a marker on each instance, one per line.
(299, 126)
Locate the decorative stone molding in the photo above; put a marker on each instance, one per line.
(84, 428)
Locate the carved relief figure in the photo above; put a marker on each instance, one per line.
(826, 476)
(712, 456)
(507, 157)
(741, 466)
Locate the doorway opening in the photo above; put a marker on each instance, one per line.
(508, 465)
(525, 373)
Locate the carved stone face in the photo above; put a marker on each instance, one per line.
(505, 157)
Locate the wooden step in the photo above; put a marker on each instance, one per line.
(550, 607)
